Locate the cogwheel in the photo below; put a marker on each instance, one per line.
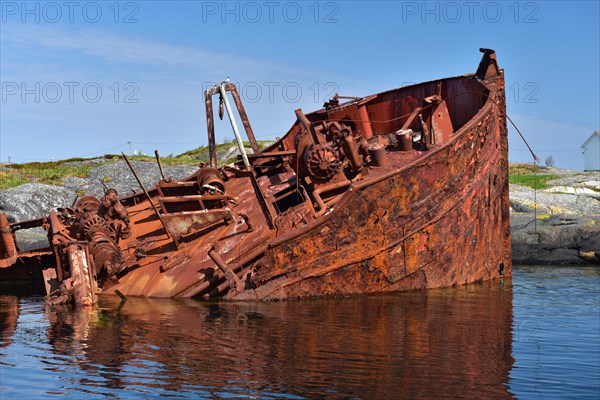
(322, 162)
(95, 223)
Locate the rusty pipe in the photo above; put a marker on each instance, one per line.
(427, 135)
(160, 165)
(306, 124)
(210, 125)
(239, 273)
(243, 116)
(200, 287)
(232, 279)
(236, 131)
(148, 197)
(217, 290)
(351, 153)
(8, 246)
(319, 200)
(302, 118)
(365, 123)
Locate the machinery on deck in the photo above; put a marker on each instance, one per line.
(399, 190)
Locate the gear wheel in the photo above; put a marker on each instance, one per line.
(96, 224)
(322, 162)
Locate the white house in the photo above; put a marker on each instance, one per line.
(591, 152)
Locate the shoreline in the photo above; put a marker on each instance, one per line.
(558, 224)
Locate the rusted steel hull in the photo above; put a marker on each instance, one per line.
(406, 189)
(442, 222)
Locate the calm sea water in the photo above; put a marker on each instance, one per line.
(536, 335)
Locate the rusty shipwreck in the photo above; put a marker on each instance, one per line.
(405, 189)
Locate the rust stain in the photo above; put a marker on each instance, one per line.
(405, 189)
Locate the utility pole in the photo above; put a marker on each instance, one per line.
(129, 143)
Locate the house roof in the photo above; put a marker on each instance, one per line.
(592, 136)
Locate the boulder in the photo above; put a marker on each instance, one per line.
(117, 175)
(30, 201)
(554, 228)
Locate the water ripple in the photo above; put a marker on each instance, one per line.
(535, 335)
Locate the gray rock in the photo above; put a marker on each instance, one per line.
(582, 191)
(32, 239)
(552, 257)
(229, 153)
(559, 225)
(538, 241)
(117, 175)
(574, 179)
(30, 201)
(93, 162)
(525, 199)
(76, 184)
(518, 205)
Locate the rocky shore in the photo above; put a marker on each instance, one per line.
(556, 225)
(559, 224)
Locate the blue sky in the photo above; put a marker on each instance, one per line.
(82, 78)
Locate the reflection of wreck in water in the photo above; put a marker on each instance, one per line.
(428, 344)
(399, 190)
(9, 313)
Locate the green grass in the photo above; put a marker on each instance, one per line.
(526, 169)
(194, 156)
(55, 172)
(51, 173)
(539, 181)
(9, 180)
(533, 176)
